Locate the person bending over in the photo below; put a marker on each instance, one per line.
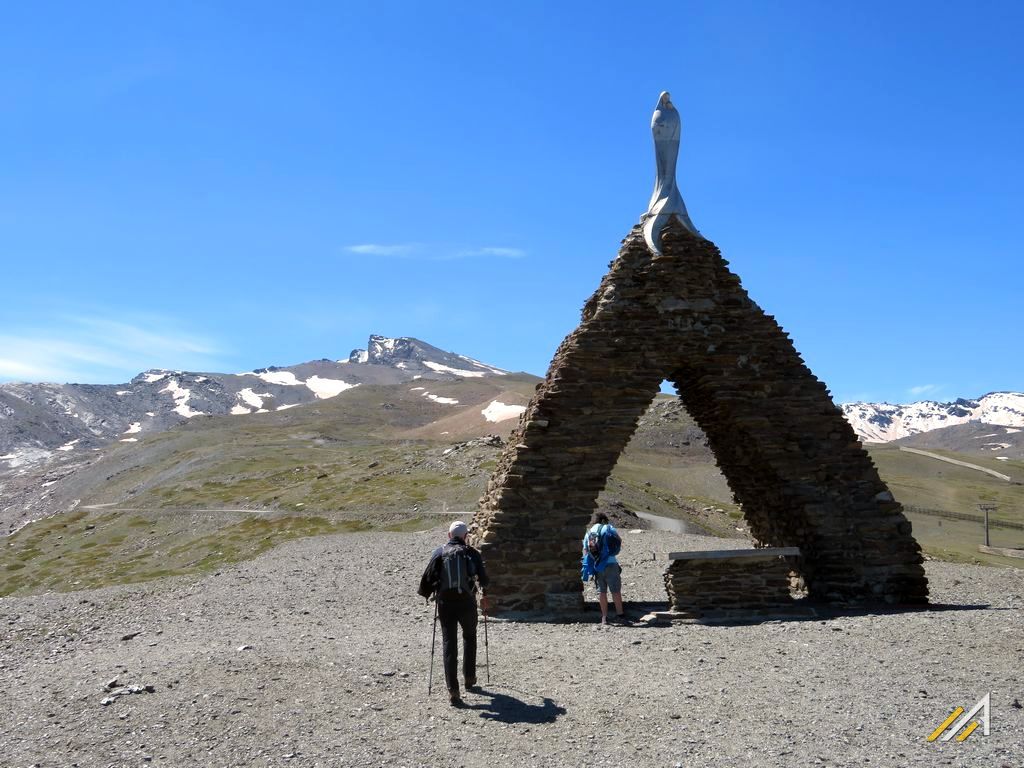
(601, 544)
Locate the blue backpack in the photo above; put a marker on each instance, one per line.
(613, 542)
(600, 545)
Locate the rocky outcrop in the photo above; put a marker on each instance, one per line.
(792, 460)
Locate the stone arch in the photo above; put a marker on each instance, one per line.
(673, 309)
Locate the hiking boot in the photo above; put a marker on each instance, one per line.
(621, 618)
(471, 684)
(454, 699)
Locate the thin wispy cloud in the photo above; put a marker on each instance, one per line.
(425, 252)
(379, 249)
(504, 253)
(923, 389)
(93, 349)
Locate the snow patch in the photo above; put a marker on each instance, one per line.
(1002, 458)
(239, 410)
(499, 411)
(181, 396)
(123, 392)
(327, 388)
(417, 389)
(252, 398)
(442, 400)
(287, 406)
(130, 440)
(457, 371)
(68, 446)
(285, 378)
(150, 378)
(135, 426)
(1012, 431)
(491, 368)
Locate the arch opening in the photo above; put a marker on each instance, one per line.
(668, 476)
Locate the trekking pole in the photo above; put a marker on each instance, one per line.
(487, 647)
(433, 640)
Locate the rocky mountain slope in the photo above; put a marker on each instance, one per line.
(63, 442)
(883, 422)
(39, 420)
(974, 438)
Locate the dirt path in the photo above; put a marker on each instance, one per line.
(986, 470)
(317, 654)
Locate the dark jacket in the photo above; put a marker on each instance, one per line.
(431, 578)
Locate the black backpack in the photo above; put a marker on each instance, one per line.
(597, 539)
(594, 545)
(457, 569)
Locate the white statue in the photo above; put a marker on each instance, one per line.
(666, 201)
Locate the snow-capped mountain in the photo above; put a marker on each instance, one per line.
(40, 420)
(413, 355)
(883, 422)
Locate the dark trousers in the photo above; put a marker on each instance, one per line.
(455, 612)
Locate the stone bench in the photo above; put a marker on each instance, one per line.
(732, 583)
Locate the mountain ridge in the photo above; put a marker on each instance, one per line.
(38, 419)
(886, 422)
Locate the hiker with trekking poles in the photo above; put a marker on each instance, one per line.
(454, 575)
(601, 544)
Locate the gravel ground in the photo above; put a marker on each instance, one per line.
(317, 654)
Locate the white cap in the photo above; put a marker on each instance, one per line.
(458, 530)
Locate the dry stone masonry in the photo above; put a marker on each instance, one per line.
(670, 308)
(734, 583)
(792, 460)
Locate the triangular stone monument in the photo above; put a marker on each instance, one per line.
(670, 308)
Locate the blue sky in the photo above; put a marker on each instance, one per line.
(223, 186)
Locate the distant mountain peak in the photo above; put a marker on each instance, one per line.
(406, 352)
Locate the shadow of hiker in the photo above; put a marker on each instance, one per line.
(509, 709)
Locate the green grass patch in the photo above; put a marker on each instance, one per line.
(957, 540)
(925, 482)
